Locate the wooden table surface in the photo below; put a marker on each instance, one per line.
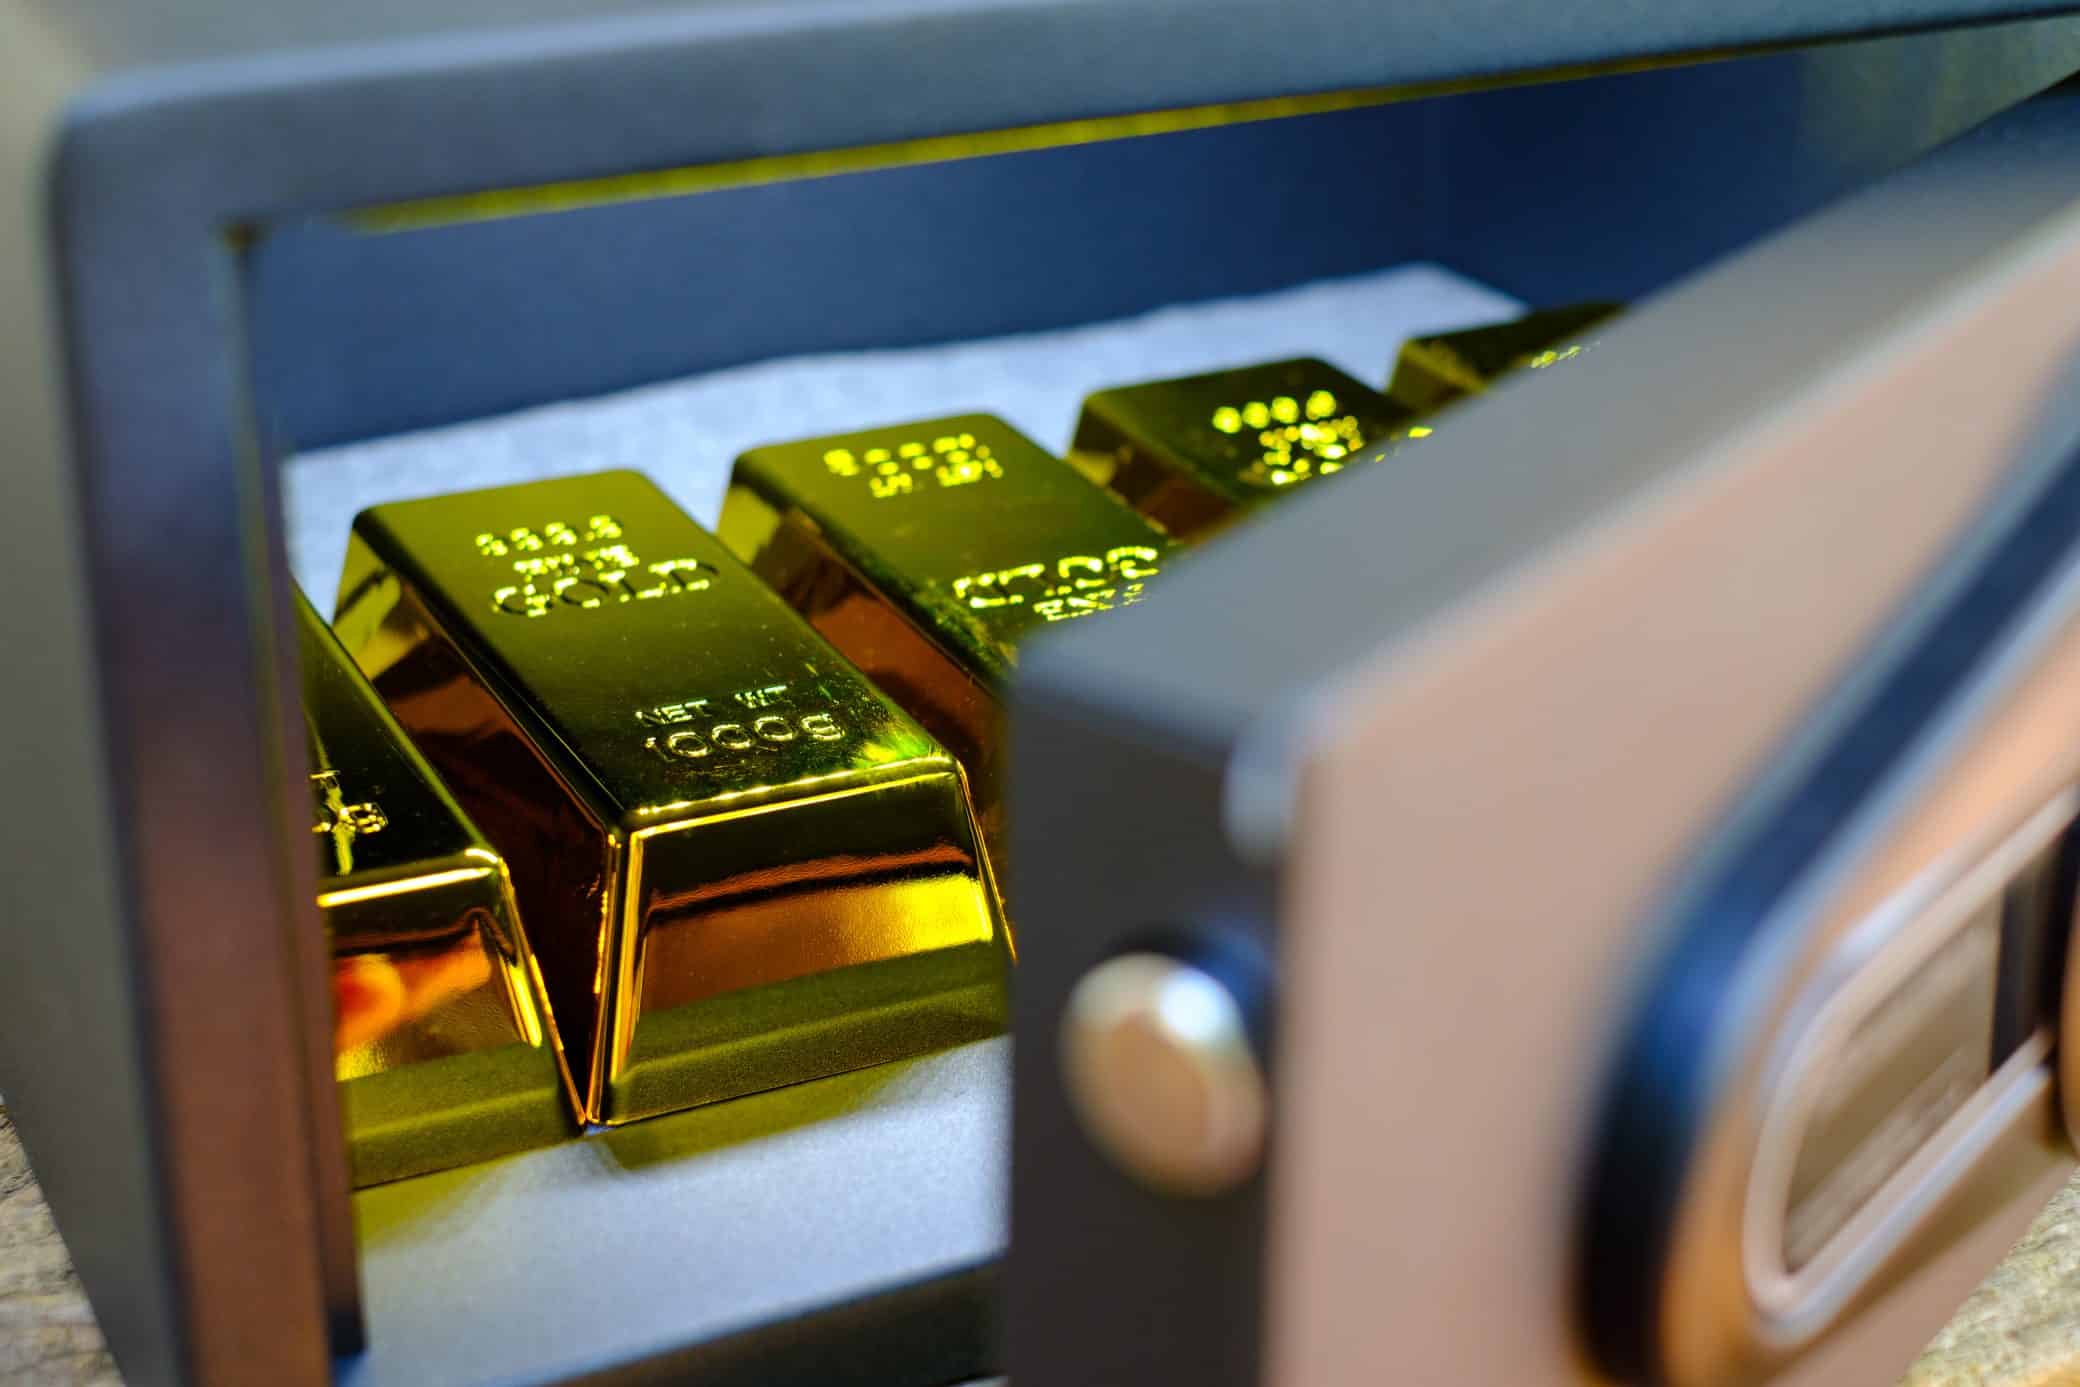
(47, 1333)
(2021, 1329)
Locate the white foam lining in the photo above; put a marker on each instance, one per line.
(685, 433)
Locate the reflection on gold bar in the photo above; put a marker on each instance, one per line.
(1434, 371)
(741, 865)
(443, 1052)
(928, 551)
(1198, 451)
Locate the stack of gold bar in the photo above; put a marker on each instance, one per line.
(444, 1052)
(734, 783)
(927, 552)
(741, 865)
(1433, 371)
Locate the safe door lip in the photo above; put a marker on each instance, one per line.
(147, 174)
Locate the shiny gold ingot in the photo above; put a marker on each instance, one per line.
(1434, 371)
(1198, 451)
(927, 552)
(740, 863)
(442, 1048)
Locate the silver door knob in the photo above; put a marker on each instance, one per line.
(1157, 1058)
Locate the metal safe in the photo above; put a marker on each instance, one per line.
(1614, 865)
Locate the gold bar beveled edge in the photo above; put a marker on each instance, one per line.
(624, 991)
(400, 882)
(766, 798)
(584, 1084)
(502, 932)
(500, 204)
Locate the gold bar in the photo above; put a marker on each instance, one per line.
(1431, 372)
(443, 1052)
(741, 865)
(1194, 453)
(928, 551)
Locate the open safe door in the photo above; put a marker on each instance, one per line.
(1590, 900)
